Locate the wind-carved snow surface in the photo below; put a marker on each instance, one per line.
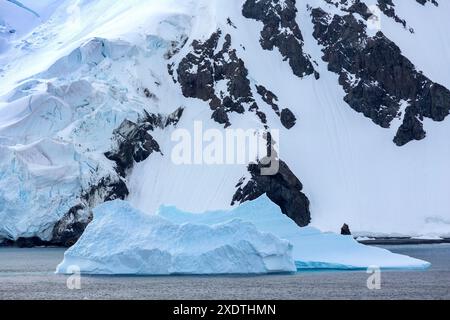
(68, 81)
(253, 238)
(123, 240)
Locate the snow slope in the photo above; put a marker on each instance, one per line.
(69, 79)
(19, 18)
(123, 240)
(351, 170)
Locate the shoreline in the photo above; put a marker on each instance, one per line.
(372, 241)
(402, 241)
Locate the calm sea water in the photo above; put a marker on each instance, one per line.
(28, 274)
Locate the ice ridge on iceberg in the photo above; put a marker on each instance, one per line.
(313, 249)
(123, 240)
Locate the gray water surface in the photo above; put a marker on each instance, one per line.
(29, 274)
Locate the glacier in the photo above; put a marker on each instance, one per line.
(122, 240)
(69, 79)
(42, 178)
(255, 238)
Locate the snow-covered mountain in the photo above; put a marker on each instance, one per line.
(91, 93)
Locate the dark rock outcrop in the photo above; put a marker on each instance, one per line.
(283, 188)
(134, 144)
(345, 230)
(200, 71)
(269, 97)
(352, 6)
(203, 68)
(288, 119)
(423, 2)
(68, 230)
(377, 78)
(388, 8)
(72, 225)
(281, 31)
(133, 141)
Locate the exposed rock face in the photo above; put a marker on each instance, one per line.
(352, 6)
(216, 74)
(202, 69)
(134, 143)
(67, 231)
(173, 118)
(377, 78)
(345, 230)
(288, 119)
(423, 2)
(281, 31)
(284, 189)
(270, 98)
(388, 8)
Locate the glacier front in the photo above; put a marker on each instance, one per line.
(254, 238)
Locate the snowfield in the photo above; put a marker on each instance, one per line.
(70, 78)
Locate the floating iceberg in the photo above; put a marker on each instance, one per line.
(123, 240)
(313, 249)
(254, 238)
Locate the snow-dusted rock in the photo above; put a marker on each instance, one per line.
(123, 240)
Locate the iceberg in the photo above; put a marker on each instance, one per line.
(254, 238)
(123, 240)
(312, 249)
